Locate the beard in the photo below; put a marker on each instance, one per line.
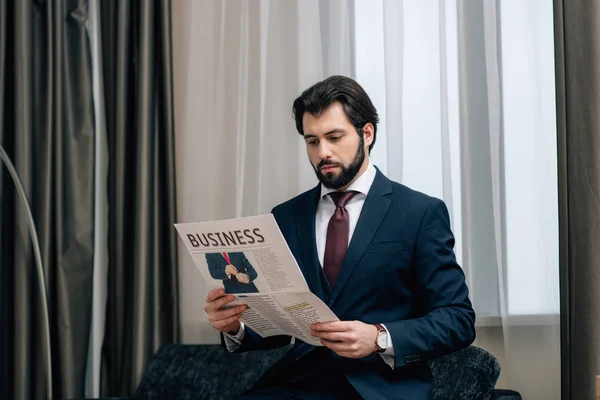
(332, 181)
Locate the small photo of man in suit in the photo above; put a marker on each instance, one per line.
(234, 269)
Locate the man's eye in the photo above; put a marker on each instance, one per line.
(335, 138)
(311, 142)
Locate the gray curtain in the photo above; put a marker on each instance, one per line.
(577, 51)
(142, 308)
(47, 128)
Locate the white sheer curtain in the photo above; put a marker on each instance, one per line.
(238, 67)
(465, 91)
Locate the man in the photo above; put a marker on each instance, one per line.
(234, 269)
(378, 253)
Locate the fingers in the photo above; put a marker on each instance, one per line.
(346, 349)
(334, 326)
(217, 304)
(350, 339)
(335, 346)
(339, 346)
(231, 270)
(226, 314)
(335, 336)
(221, 318)
(219, 325)
(214, 294)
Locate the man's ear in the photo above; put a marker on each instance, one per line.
(368, 133)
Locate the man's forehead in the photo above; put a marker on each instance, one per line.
(331, 118)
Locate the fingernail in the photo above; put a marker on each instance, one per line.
(230, 298)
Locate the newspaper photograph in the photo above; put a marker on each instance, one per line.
(250, 259)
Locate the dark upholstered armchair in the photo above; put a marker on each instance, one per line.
(209, 372)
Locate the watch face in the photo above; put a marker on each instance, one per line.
(382, 340)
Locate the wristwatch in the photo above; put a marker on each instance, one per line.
(381, 340)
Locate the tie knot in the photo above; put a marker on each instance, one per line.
(341, 198)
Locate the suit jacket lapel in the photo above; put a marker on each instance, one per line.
(305, 225)
(373, 212)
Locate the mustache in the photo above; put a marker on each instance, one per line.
(328, 162)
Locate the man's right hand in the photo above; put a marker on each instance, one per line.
(223, 320)
(230, 270)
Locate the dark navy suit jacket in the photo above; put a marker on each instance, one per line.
(216, 266)
(400, 270)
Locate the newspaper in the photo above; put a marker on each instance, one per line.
(251, 260)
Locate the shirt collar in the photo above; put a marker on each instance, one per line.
(362, 184)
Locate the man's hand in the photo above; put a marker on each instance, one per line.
(350, 339)
(242, 278)
(220, 319)
(230, 270)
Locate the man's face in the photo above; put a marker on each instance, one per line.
(335, 149)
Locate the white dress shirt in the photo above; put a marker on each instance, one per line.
(325, 210)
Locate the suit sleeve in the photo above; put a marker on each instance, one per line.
(216, 267)
(448, 321)
(250, 271)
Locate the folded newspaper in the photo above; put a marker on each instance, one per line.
(250, 259)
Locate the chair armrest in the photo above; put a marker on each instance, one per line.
(505, 394)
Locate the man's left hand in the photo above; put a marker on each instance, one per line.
(350, 339)
(242, 278)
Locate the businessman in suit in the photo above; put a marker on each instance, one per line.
(378, 253)
(234, 269)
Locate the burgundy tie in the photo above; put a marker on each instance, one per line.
(337, 236)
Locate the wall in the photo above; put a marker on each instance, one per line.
(534, 380)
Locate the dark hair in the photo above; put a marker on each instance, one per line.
(357, 105)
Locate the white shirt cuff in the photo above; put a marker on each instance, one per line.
(388, 354)
(232, 342)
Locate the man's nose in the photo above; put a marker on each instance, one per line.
(324, 150)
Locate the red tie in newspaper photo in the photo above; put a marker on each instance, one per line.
(226, 257)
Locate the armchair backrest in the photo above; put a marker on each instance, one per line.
(470, 373)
